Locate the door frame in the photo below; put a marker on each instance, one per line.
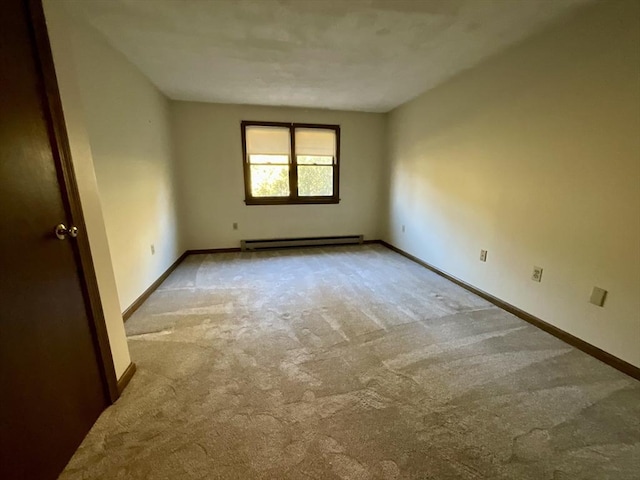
(71, 198)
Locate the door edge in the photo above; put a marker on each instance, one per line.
(71, 197)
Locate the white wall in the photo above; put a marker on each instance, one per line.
(534, 156)
(209, 153)
(83, 165)
(129, 130)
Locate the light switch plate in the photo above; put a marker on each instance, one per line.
(598, 296)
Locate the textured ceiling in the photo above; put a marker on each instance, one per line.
(367, 55)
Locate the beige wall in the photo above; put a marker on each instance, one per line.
(209, 154)
(129, 130)
(534, 156)
(84, 169)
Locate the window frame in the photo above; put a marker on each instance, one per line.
(293, 198)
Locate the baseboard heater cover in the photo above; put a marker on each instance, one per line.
(300, 242)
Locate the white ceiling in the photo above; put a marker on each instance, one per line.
(367, 55)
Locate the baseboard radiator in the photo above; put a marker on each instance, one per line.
(300, 242)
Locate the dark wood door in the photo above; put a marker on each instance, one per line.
(52, 388)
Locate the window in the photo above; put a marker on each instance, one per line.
(290, 163)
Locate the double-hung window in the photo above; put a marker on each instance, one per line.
(290, 163)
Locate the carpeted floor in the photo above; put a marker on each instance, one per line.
(352, 363)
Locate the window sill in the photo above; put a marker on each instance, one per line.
(292, 201)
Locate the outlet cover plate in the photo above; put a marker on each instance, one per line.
(598, 296)
(537, 274)
(483, 255)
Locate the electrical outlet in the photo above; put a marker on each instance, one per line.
(235, 225)
(483, 255)
(153, 249)
(537, 274)
(402, 228)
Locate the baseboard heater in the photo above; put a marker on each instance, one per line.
(300, 242)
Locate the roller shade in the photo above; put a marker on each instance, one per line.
(267, 140)
(315, 141)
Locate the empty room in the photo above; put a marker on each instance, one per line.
(320, 239)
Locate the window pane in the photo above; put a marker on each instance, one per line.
(269, 159)
(314, 160)
(269, 180)
(315, 181)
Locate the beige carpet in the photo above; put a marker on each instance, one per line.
(352, 363)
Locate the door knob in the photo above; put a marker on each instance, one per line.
(62, 231)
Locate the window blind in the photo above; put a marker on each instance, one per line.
(315, 141)
(267, 141)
